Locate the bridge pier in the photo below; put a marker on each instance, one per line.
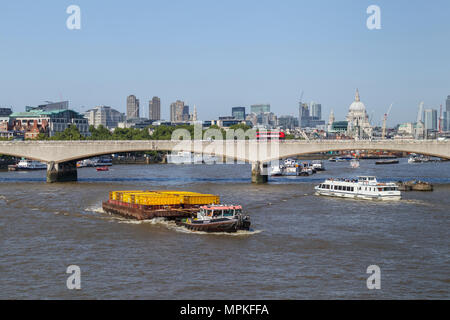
(259, 172)
(62, 172)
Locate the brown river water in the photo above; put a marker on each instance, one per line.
(301, 247)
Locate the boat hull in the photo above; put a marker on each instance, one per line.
(359, 196)
(228, 226)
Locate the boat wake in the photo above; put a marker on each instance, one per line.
(168, 224)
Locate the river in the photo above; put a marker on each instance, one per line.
(301, 247)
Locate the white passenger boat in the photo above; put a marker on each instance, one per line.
(31, 165)
(365, 187)
(414, 158)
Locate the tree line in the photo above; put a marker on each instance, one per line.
(158, 133)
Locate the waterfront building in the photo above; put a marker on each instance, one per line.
(260, 108)
(358, 120)
(176, 111)
(132, 107)
(154, 109)
(406, 129)
(339, 127)
(49, 106)
(223, 122)
(430, 119)
(38, 121)
(105, 116)
(238, 113)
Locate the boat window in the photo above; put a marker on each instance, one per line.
(227, 213)
(238, 211)
(217, 213)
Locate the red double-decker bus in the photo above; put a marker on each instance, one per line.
(269, 135)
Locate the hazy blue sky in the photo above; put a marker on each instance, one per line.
(220, 54)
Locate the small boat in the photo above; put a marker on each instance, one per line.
(102, 168)
(415, 185)
(354, 163)
(276, 170)
(414, 158)
(394, 161)
(217, 218)
(318, 165)
(365, 187)
(30, 165)
(341, 159)
(102, 162)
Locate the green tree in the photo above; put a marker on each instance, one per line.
(71, 133)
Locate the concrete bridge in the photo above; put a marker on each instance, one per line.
(61, 156)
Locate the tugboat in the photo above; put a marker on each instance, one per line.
(217, 218)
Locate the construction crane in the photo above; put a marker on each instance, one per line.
(383, 135)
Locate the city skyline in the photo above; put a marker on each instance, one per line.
(225, 61)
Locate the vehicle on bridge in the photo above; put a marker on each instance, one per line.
(365, 187)
(270, 135)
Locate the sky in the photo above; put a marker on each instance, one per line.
(221, 54)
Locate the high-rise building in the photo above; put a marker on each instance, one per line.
(154, 109)
(132, 107)
(304, 115)
(260, 108)
(316, 111)
(186, 115)
(430, 119)
(446, 124)
(176, 111)
(238, 113)
(194, 115)
(287, 122)
(105, 116)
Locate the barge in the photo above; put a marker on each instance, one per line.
(145, 205)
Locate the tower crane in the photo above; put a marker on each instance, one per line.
(383, 135)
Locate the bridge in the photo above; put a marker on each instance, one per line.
(61, 156)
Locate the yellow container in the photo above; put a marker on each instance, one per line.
(202, 199)
(160, 198)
